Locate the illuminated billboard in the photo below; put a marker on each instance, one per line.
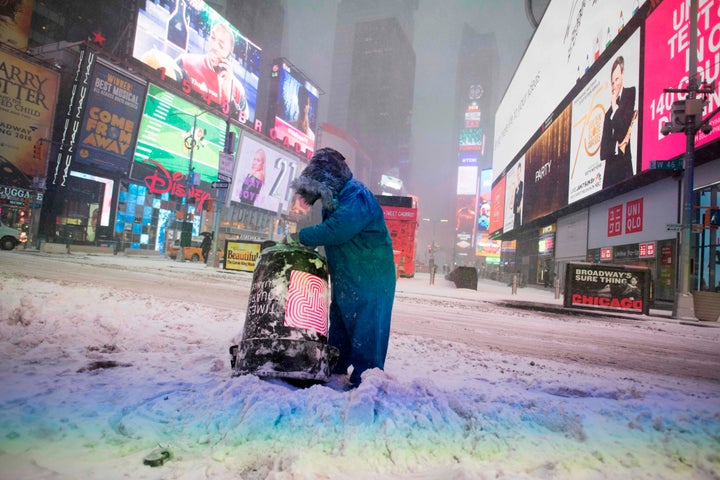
(514, 191)
(191, 44)
(471, 139)
(263, 175)
(666, 57)
(570, 38)
(15, 18)
(293, 106)
(112, 116)
(467, 180)
(546, 170)
(465, 225)
(166, 136)
(484, 247)
(497, 200)
(27, 104)
(605, 127)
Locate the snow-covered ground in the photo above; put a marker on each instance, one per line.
(105, 358)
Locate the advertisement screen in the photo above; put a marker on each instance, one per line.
(666, 66)
(191, 44)
(241, 255)
(465, 224)
(484, 247)
(166, 133)
(471, 139)
(263, 175)
(27, 107)
(498, 206)
(467, 180)
(604, 125)
(607, 287)
(546, 168)
(570, 39)
(15, 23)
(112, 116)
(514, 191)
(293, 106)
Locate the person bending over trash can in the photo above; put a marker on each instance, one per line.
(360, 261)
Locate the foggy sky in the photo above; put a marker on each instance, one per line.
(308, 44)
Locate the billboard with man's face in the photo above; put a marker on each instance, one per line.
(570, 39)
(603, 149)
(191, 44)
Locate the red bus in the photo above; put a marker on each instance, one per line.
(401, 217)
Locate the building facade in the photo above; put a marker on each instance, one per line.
(136, 153)
(583, 168)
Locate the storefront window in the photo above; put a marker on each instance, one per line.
(707, 251)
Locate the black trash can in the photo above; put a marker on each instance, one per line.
(464, 277)
(286, 325)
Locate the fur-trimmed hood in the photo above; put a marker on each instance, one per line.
(323, 178)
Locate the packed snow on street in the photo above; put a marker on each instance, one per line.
(117, 367)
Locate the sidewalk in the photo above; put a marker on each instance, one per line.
(528, 298)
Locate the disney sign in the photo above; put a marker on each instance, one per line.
(163, 181)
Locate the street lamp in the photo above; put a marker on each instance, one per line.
(687, 118)
(434, 224)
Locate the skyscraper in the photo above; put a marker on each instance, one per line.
(373, 78)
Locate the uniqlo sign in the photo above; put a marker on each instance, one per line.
(615, 221)
(647, 250)
(634, 216)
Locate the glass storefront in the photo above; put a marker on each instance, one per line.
(706, 276)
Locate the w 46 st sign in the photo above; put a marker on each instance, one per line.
(676, 164)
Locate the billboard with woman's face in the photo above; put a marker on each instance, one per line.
(293, 106)
(263, 175)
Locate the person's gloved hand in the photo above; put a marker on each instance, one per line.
(292, 239)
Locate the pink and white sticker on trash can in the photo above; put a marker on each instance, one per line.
(307, 302)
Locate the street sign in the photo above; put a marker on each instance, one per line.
(220, 184)
(676, 164)
(673, 227)
(225, 166)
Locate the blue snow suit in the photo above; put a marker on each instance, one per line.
(360, 261)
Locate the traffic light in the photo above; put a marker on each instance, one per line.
(230, 139)
(711, 217)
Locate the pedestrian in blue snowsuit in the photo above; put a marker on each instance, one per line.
(360, 261)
